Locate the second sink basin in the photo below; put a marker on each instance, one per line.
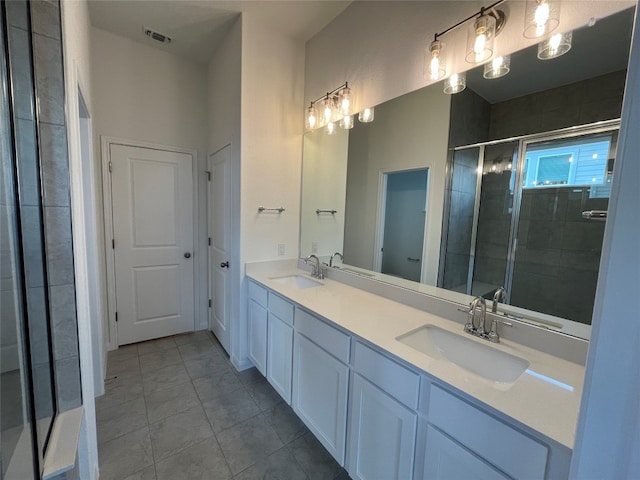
(483, 360)
(297, 281)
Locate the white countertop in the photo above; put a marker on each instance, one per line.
(546, 397)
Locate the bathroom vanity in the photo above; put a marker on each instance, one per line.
(396, 392)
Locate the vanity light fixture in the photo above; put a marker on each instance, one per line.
(541, 17)
(331, 128)
(335, 104)
(434, 65)
(366, 115)
(498, 67)
(455, 83)
(555, 46)
(480, 38)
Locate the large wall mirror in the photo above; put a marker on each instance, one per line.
(505, 184)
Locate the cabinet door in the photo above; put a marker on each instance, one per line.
(258, 336)
(446, 459)
(320, 386)
(382, 434)
(280, 356)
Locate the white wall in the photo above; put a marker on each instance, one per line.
(324, 183)
(410, 132)
(271, 146)
(143, 94)
(77, 66)
(378, 47)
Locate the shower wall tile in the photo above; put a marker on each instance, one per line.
(17, 14)
(20, 47)
(59, 247)
(62, 302)
(38, 334)
(27, 162)
(68, 383)
(32, 247)
(55, 165)
(49, 79)
(44, 18)
(587, 101)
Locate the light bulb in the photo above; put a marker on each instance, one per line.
(541, 14)
(479, 45)
(366, 115)
(433, 64)
(346, 122)
(555, 46)
(345, 101)
(480, 39)
(312, 118)
(331, 128)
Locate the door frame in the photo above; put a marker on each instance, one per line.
(381, 210)
(110, 258)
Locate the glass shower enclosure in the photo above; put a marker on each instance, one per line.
(528, 213)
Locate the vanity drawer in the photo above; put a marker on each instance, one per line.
(258, 294)
(281, 308)
(330, 339)
(513, 452)
(393, 378)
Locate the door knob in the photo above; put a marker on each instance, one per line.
(224, 264)
(187, 255)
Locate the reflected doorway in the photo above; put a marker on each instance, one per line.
(401, 230)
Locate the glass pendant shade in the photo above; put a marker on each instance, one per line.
(455, 83)
(555, 46)
(541, 18)
(434, 66)
(346, 122)
(344, 101)
(366, 115)
(331, 128)
(311, 120)
(328, 111)
(480, 39)
(498, 67)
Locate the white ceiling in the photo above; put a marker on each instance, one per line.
(196, 27)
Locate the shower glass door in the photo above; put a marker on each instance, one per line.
(556, 248)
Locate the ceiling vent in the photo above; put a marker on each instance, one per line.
(160, 37)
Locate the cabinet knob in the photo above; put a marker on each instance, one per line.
(224, 264)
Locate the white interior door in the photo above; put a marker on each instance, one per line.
(219, 242)
(152, 200)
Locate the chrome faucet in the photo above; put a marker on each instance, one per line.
(316, 269)
(335, 254)
(499, 296)
(470, 327)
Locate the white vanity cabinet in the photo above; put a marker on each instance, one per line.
(382, 417)
(280, 345)
(321, 380)
(460, 440)
(257, 326)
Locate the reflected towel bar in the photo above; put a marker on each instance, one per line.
(264, 209)
(600, 215)
(332, 212)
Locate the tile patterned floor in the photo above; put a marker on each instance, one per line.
(175, 408)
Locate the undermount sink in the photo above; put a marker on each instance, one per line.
(297, 281)
(483, 360)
